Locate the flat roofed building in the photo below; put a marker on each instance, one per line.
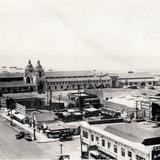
(137, 107)
(7, 77)
(30, 100)
(121, 141)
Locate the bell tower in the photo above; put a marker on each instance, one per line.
(39, 78)
(29, 72)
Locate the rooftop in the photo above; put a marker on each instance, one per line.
(23, 95)
(91, 109)
(15, 84)
(61, 125)
(47, 116)
(49, 79)
(135, 132)
(115, 106)
(69, 74)
(132, 75)
(11, 75)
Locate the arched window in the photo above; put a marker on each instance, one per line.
(40, 74)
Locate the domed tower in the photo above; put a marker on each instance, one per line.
(29, 72)
(39, 78)
(39, 71)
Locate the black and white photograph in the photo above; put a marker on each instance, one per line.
(79, 80)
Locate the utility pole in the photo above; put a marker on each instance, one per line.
(34, 129)
(81, 144)
(50, 97)
(47, 93)
(136, 111)
(79, 99)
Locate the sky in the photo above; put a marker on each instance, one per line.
(115, 35)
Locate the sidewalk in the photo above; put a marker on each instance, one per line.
(40, 137)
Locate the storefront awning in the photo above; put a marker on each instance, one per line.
(95, 153)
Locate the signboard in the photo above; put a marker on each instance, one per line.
(21, 109)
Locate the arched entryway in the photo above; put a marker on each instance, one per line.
(143, 83)
(40, 87)
(28, 80)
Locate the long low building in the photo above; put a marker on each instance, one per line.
(120, 141)
(69, 80)
(16, 87)
(138, 79)
(75, 83)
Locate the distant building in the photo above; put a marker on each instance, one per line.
(70, 80)
(138, 78)
(40, 80)
(120, 141)
(61, 80)
(44, 118)
(64, 80)
(30, 101)
(16, 87)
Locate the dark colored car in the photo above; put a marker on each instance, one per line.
(28, 137)
(20, 135)
(66, 137)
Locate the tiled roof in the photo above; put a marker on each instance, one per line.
(69, 74)
(78, 79)
(132, 75)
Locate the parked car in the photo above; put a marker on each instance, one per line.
(28, 136)
(66, 137)
(20, 135)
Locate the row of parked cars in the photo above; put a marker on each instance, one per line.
(25, 135)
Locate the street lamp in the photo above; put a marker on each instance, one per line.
(61, 147)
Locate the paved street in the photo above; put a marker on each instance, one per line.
(10, 148)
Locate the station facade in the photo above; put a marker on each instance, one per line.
(64, 80)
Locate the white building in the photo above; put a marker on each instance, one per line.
(120, 141)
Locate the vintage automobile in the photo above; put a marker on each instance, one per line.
(65, 137)
(20, 135)
(28, 136)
